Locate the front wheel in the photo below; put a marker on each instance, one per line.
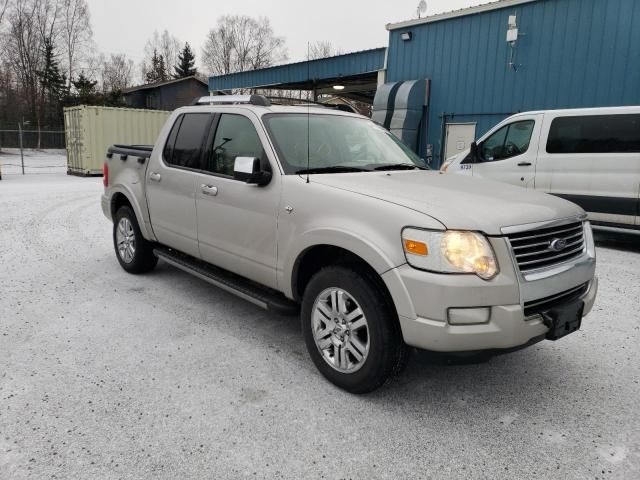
(134, 252)
(351, 331)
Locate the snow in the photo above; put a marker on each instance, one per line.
(110, 375)
(35, 161)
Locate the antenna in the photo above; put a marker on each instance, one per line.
(422, 8)
(308, 112)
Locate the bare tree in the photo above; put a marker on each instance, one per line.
(4, 4)
(240, 43)
(322, 49)
(161, 44)
(76, 32)
(116, 72)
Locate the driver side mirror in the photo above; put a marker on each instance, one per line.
(248, 170)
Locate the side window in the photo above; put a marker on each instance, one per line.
(595, 134)
(510, 141)
(167, 153)
(187, 146)
(235, 137)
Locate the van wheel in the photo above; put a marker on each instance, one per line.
(134, 253)
(350, 330)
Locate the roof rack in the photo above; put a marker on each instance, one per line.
(233, 100)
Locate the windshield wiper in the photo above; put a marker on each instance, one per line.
(399, 166)
(332, 169)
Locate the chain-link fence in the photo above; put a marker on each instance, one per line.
(32, 151)
(35, 139)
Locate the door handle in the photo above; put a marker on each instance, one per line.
(155, 177)
(524, 164)
(209, 190)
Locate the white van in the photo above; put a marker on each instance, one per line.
(588, 156)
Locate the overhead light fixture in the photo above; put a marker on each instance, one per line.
(406, 36)
(338, 87)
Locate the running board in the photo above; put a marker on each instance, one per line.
(252, 292)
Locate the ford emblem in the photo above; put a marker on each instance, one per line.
(558, 244)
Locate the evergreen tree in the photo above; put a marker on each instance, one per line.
(158, 69)
(186, 63)
(86, 90)
(54, 85)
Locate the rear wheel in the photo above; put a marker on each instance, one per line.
(134, 252)
(351, 331)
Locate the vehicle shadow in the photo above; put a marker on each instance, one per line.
(432, 384)
(629, 242)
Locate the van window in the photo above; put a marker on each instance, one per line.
(187, 147)
(235, 137)
(510, 141)
(595, 134)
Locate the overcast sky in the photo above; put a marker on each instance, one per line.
(123, 26)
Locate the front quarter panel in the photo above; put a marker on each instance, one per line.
(324, 215)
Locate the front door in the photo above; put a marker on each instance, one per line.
(171, 183)
(509, 154)
(237, 222)
(460, 136)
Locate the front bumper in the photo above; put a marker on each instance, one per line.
(507, 328)
(423, 301)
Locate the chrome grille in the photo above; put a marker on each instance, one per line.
(534, 249)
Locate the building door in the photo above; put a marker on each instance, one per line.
(459, 137)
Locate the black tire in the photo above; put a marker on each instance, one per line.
(387, 354)
(143, 259)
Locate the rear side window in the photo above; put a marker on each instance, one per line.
(595, 134)
(185, 141)
(167, 153)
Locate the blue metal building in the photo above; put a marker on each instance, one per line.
(567, 54)
(484, 63)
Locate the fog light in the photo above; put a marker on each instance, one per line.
(469, 316)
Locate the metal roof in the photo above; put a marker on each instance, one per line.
(162, 84)
(486, 7)
(332, 68)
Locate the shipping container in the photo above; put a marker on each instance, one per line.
(90, 131)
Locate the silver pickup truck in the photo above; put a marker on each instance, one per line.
(323, 212)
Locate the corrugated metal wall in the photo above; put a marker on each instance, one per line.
(570, 54)
(90, 131)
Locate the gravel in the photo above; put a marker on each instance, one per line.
(109, 375)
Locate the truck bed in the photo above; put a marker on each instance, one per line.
(140, 151)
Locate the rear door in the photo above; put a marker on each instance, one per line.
(509, 153)
(593, 160)
(171, 183)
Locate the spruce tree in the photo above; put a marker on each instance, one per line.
(158, 69)
(53, 83)
(186, 63)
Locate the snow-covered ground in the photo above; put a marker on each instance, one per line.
(109, 375)
(35, 161)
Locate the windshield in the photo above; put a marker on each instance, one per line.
(333, 143)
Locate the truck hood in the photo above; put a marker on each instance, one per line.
(458, 202)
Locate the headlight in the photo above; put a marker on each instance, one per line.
(449, 252)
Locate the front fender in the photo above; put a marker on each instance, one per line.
(380, 257)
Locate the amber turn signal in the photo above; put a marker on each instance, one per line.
(416, 248)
